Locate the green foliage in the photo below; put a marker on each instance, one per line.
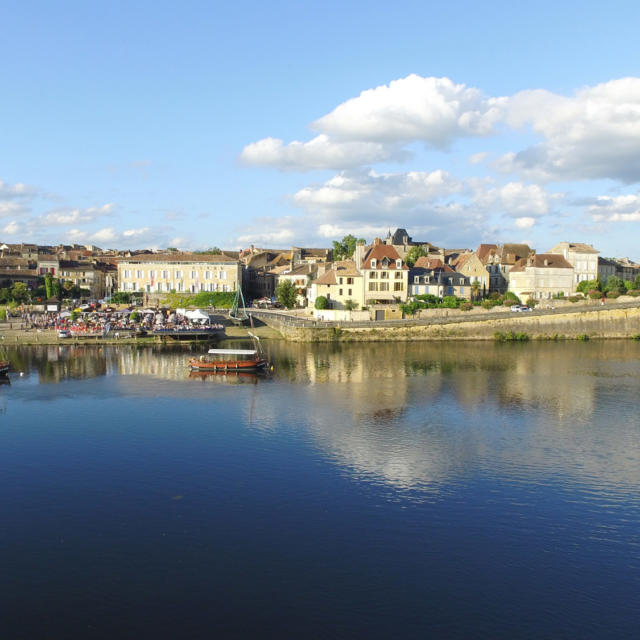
(286, 294)
(414, 253)
(121, 297)
(74, 315)
(48, 285)
(511, 336)
(429, 298)
(19, 292)
(5, 295)
(321, 303)
(636, 282)
(489, 303)
(411, 308)
(350, 305)
(615, 284)
(634, 292)
(218, 299)
(466, 306)
(589, 285)
(583, 337)
(215, 251)
(628, 285)
(450, 302)
(345, 248)
(594, 294)
(3, 315)
(135, 316)
(532, 302)
(511, 297)
(613, 294)
(574, 299)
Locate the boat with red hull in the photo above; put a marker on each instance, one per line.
(4, 367)
(229, 360)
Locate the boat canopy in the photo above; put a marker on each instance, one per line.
(233, 352)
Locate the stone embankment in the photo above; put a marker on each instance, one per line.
(610, 321)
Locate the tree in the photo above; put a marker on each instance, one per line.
(19, 292)
(346, 247)
(589, 285)
(350, 305)
(417, 251)
(286, 294)
(475, 290)
(615, 284)
(636, 282)
(321, 303)
(48, 285)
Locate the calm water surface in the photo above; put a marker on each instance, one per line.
(361, 491)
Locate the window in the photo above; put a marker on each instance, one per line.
(349, 280)
(398, 275)
(340, 282)
(374, 263)
(139, 273)
(350, 292)
(385, 263)
(384, 286)
(152, 274)
(127, 273)
(398, 264)
(340, 292)
(223, 275)
(178, 274)
(373, 275)
(165, 275)
(373, 286)
(207, 275)
(397, 286)
(194, 275)
(384, 275)
(416, 279)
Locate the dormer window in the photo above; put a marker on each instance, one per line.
(398, 264)
(374, 263)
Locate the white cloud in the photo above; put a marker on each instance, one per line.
(64, 217)
(272, 232)
(10, 208)
(515, 199)
(17, 190)
(625, 208)
(12, 228)
(478, 158)
(525, 222)
(432, 110)
(372, 192)
(594, 134)
(320, 153)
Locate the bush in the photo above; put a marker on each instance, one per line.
(613, 294)
(595, 295)
(450, 302)
(510, 336)
(512, 297)
(532, 302)
(466, 306)
(634, 292)
(488, 303)
(574, 299)
(321, 303)
(583, 337)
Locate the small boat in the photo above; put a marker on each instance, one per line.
(4, 367)
(229, 360)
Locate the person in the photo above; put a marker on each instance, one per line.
(602, 301)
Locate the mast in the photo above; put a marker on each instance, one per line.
(238, 310)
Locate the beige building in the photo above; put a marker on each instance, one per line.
(582, 257)
(386, 277)
(180, 272)
(84, 275)
(340, 283)
(541, 276)
(470, 266)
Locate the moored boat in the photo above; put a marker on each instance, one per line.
(229, 360)
(4, 367)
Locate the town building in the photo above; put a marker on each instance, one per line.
(180, 272)
(499, 260)
(341, 283)
(470, 265)
(386, 277)
(542, 277)
(430, 276)
(582, 257)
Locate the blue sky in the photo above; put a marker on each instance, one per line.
(154, 124)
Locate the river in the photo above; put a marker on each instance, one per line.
(381, 490)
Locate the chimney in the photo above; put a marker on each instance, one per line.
(358, 254)
(376, 242)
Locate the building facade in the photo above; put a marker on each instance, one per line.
(179, 272)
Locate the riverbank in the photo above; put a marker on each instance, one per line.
(12, 336)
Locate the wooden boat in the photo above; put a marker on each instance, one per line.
(4, 367)
(229, 360)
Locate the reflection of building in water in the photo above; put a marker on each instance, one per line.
(55, 363)
(550, 376)
(150, 362)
